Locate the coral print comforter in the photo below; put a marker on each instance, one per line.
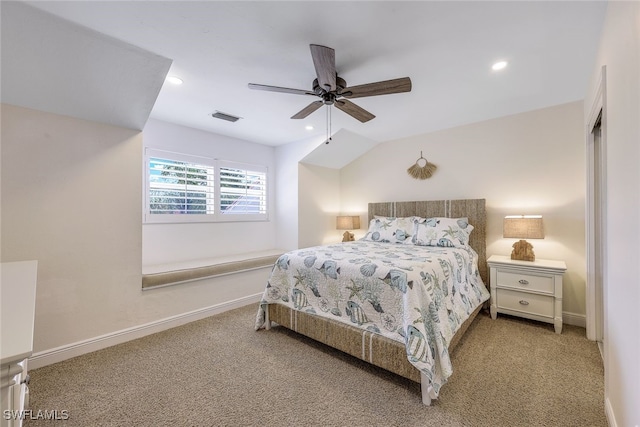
(418, 295)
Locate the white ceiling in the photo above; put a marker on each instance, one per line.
(52, 66)
(446, 48)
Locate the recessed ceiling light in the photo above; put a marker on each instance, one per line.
(308, 127)
(174, 80)
(499, 65)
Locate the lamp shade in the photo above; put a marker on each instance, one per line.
(348, 222)
(523, 227)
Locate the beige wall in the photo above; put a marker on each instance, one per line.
(318, 205)
(619, 52)
(531, 163)
(288, 191)
(68, 202)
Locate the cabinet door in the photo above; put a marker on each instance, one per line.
(13, 395)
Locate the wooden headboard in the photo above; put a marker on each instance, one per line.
(473, 209)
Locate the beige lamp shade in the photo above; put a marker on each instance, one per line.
(523, 227)
(349, 222)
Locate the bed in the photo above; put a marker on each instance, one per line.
(400, 298)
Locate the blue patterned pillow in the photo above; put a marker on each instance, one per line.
(390, 229)
(445, 232)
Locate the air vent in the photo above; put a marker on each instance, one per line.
(225, 116)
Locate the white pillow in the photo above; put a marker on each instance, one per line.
(445, 232)
(390, 229)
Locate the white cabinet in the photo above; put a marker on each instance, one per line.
(530, 289)
(18, 300)
(14, 392)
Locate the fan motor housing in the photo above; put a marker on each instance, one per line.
(329, 97)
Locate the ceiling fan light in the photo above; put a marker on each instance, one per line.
(499, 65)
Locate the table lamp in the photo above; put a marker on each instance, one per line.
(523, 227)
(348, 222)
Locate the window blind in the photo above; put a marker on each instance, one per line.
(184, 188)
(242, 191)
(177, 187)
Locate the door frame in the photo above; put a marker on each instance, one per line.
(598, 107)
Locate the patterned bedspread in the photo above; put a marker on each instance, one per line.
(418, 295)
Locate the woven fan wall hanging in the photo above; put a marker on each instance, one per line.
(421, 169)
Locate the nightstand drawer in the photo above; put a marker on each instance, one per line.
(525, 282)
(540, 305)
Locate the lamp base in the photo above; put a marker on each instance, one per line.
(523, 251)
(348, 237)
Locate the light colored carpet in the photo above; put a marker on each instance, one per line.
(220, 372)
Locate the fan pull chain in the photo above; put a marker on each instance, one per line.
(328, 124)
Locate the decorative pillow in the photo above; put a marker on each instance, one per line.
(446, 232)
(390, 229)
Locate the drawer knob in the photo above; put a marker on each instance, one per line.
(523, 282)
(523, 302)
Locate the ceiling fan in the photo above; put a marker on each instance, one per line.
(332, 90)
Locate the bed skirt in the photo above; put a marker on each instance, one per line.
(376, 349)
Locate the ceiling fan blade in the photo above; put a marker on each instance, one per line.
(281, 89)
(324, 61)
(378, 88)
(308, 110)
(353, 110)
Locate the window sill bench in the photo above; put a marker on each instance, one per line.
(173, 273)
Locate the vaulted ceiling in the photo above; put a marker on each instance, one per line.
(113, 69)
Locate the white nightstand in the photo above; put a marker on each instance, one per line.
(530, 289)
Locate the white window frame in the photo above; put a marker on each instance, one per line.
(214, 214)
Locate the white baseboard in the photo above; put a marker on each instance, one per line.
(574, 319)
(608, 410)
(58, 354)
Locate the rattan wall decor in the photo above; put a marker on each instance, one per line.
(421, 169)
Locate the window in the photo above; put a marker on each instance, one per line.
(183, 188)
(242, 191)
(180, 187)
